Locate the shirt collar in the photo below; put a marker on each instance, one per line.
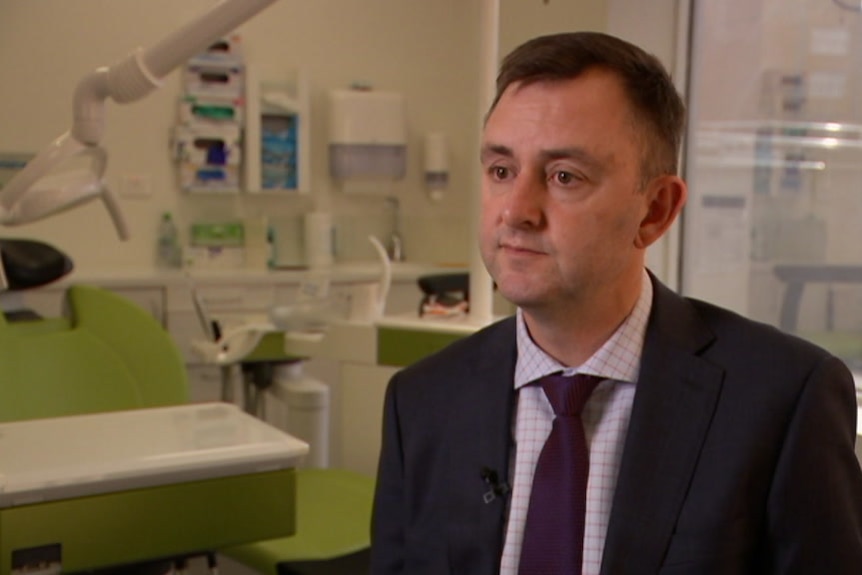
(626, 342)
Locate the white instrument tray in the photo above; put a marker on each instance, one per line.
(64, 457)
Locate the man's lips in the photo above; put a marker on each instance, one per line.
(520, 249)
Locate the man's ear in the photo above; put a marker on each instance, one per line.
(665, 197)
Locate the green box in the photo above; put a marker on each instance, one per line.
(224, 234)
(401, 346)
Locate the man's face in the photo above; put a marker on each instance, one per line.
(561, 205)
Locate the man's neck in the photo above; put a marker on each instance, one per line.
(571, 334)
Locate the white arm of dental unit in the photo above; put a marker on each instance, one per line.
(33, 194)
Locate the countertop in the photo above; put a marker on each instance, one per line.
(342, 272)
(411, 321)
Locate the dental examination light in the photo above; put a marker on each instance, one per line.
(55, 181)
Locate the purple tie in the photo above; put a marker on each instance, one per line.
(554, 531)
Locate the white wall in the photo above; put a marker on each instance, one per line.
(659, 27)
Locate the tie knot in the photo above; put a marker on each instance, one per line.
(569, 393)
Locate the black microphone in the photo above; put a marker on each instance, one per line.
(492, 479)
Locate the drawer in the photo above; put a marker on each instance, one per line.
(236, 297)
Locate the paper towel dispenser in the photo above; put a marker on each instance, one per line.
(368, 135)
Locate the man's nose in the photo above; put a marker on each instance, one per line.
(524, 203)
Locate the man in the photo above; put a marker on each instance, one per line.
(715, 444)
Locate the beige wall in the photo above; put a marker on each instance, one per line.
(521, 20)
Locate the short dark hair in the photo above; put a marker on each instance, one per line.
(658, 110)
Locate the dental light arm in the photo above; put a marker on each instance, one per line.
(35, 193)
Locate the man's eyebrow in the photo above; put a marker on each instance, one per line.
(578, 154)
(495, 150)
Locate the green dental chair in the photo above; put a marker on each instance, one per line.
(127, 361)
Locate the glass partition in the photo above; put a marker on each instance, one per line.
(773, 227)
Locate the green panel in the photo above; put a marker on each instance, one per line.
(164, 521)
(333, 518)
(221, 234)
(400, 346)
(109, 354)
(270, 348)
(137, 339)
(64, 372)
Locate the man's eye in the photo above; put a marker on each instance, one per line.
(500, 172)
(566, 178)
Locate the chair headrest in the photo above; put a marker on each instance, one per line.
(31, 263)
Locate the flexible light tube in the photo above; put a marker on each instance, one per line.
(127, 81)
(141, 72)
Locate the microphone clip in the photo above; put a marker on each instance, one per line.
(497, 488)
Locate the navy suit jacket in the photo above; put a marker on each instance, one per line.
(739, 458)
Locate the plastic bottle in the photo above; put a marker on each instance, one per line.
(272, 247)
(319, 241)
(168, 243)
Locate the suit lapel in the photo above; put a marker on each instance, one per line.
(481, 424)
(673, 407)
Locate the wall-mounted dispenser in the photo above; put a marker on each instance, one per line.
(207, 140)
(208, 156)
(436, 165)
(368, 135)
(277, 134)
(218, 71)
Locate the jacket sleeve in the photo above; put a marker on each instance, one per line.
(815, 503)
(387, 523)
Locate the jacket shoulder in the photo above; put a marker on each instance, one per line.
(742, 332)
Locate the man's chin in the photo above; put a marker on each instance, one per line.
(523, 298)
